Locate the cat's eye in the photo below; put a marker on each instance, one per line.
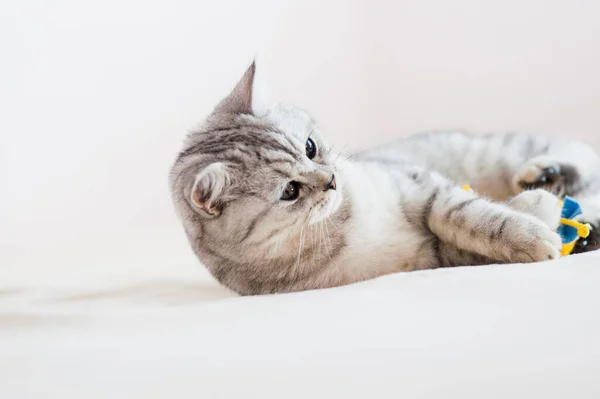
(291, 191)
(311, 148)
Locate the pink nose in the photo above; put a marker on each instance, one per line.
(331, 185)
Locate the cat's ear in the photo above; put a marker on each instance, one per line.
(208, 188)
(249, 95)
(239, 101)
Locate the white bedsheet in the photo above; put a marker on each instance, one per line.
(511, 331)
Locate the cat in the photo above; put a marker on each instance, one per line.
(268, 208)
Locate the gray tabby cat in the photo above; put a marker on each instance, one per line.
(268, 208)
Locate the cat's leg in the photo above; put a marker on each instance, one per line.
(566, 168)
(539, 203)
(473, 224)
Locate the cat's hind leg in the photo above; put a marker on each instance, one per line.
(565, 169)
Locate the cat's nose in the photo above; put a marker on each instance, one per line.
(331, 185)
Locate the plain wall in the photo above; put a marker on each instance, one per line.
(95, 97)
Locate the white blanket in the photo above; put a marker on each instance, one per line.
(510, 331)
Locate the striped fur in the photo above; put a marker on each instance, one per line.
(396, 208)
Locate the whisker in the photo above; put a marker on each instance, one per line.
(340, 153)
(349, 157)
(328, 237)
(321, 238)
(301, 241)
(334, 223)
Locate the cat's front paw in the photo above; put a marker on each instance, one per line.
(545, 173)
(541, 204)
(530, 240)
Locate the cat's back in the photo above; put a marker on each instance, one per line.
(460, 156)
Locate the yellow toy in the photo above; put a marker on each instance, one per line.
(570, 230)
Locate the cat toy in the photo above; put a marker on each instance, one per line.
(570, 230)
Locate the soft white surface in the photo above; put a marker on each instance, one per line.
(518, 331)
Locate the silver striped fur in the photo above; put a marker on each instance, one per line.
(398, 207)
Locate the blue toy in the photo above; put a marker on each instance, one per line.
(570, 231)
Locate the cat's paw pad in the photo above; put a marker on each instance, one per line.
(541, 204)
(533, 241)
(541, 173)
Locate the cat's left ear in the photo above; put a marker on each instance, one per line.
(239, 101)
(247, 97)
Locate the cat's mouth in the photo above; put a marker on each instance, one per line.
(326, 207)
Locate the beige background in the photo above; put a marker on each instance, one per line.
(95, 97)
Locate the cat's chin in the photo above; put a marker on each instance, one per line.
(327, 208)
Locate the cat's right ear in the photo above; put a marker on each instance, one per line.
(209, 186)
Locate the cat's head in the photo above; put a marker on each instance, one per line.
(254, 176)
